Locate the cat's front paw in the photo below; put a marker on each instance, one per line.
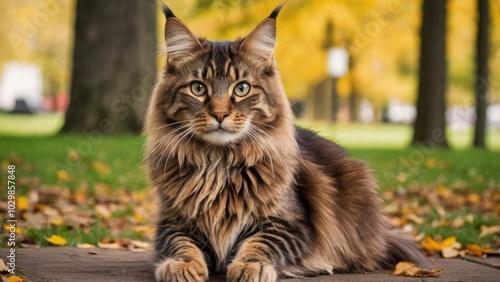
(172, 270)
(251, 271)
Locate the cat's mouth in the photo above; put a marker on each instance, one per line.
(221, 136)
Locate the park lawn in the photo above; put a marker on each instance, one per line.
(101, 179)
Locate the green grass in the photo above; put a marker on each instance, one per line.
(30, 124)
(39, 159)
(115, 161)
(393, 136)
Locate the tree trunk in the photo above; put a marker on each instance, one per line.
(114, 66)
(429, 127)
(482, 80)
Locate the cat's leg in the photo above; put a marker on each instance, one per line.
(260, 256)
(179, 258)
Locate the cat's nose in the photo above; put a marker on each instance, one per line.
(220, 116)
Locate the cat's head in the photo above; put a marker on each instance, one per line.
(221, 93)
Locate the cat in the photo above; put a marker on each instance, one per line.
(242, 191)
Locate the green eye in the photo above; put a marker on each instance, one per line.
(198, 88)
(241, 89)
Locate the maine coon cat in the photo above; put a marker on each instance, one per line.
(243, 192)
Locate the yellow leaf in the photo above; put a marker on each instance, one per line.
(101, 167)
(448, 242)
(430, 246)
(56, 240)
(405, 268)
(80, 195)
(63, 175)
(138, 217)
(15, 278)
(22, 203)
(474, 198)
(476, 250)
(430, 162)
(8, 228)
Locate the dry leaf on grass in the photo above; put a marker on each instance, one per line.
(57, 240)
(405, 268)
(489, 230)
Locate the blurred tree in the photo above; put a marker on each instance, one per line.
(114, 65)
(482, 78)
(429, 126)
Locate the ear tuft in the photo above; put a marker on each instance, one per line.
(181, 43)
(166, 11)
(274, 14)
(261, 40)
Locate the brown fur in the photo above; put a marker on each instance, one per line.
(240, 189)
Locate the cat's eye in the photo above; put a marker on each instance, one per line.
(198, 88)
(241, 89)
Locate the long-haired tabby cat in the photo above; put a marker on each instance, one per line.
(242, 191)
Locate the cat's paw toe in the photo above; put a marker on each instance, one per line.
(172, 270)
(251, 271)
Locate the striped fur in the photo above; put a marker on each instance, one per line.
(240, 190)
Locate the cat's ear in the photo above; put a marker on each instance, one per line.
(262, 40)
(179, 40)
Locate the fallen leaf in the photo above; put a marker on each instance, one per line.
(140, 244)
(430, 246)
(57, 221)
(3, 267)
(450, 252)
(73, 155)
(22, 203)
(102, 211)
(476, 250)
(405, 268)
(15, 278)
(85, 246)
(489, 230)
(449, 242)
(101, 167)
(63, 175)
(430, 162)
(56, 240)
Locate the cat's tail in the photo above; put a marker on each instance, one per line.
(401, 248)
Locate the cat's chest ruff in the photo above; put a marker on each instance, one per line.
(220, 190)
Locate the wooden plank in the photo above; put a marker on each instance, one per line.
(71, 264)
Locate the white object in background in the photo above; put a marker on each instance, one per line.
(21, 82)
(338, 62)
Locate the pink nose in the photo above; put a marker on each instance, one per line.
(220, 116)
